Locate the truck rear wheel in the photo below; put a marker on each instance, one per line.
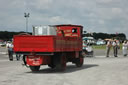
(34, 68)
(51, 66)
(60, 61)
(79, 62)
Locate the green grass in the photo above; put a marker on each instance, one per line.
(102, 46)
(99, 46)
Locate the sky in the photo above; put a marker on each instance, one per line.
(107, 16)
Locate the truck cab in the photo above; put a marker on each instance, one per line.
(58, 30)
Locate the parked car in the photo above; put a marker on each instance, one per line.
(87, 49)
(101, 42)
(2, 44)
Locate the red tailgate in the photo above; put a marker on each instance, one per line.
(29, 43)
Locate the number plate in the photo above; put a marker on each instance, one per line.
(34, 60)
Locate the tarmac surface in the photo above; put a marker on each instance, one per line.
(97, 70)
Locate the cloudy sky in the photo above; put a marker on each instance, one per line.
(107, 16)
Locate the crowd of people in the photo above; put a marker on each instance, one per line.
(115, 44)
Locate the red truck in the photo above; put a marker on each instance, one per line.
(52, 45)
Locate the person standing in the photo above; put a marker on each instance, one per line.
(124, 48)
(7, 43)
(10, 51)
(108, 47)
(115, 45)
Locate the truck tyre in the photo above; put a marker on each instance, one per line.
(60, 61)
(34, 68)
(51, 66)
(79, 62)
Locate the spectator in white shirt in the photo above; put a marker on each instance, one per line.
(10, 50)
(108, 47)
(115, 45)
(124, 48)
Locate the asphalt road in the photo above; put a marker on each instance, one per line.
(98, 70)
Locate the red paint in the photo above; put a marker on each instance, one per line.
(36, 60)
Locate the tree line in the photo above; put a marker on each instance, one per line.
(119, 36)
(6, 35)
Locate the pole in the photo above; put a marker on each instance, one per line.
(26, 15)
(26, 24)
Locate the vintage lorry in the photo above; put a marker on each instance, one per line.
(52, 45)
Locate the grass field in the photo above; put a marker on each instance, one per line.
(99, 46)
(102, 46)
